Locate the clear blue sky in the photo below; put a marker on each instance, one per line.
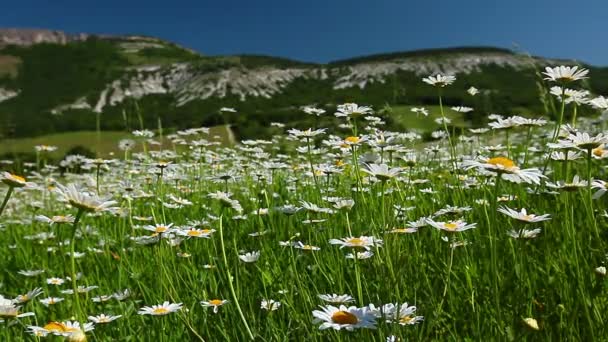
(324, 30)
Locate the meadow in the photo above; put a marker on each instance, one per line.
(494, 233)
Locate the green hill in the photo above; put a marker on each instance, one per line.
(60, 87)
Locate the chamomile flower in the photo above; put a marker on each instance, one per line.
(103, 318)
(360, 255)
(439, 80)
(30, 273)
(524, 233)
(29, 295)
(214, 303)
(159, 228)
(51, 300)
(57, 219)
(270, 305)
(366, 242)
(9, 309)
(250, 256)
(336, 299)
(507, 169)
(342, 317)
(420, 110)
(451, 226)
(523, 215)
(55, 281)
(352, 110)
(565, 74)
(381, 171)
(82, 199)
(12, 180)
(403, 314)
(160, 309)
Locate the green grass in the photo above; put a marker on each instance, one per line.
(9, 66)
(418, 122)
(406, 210)
(108, 144)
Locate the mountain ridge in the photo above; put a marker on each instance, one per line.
(62, 80)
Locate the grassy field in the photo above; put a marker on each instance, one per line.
(107, 147)
(312, 237)
(421, 123)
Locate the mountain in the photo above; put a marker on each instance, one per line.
(51, 81)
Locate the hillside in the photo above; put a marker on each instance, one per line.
(53, 82)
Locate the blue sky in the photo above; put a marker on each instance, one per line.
(321, 31)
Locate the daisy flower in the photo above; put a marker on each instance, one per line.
(523, 215)
(565, 74)
(55, 281)
(160, 228)
(576, 184)
(12, 180)
(307, 134)
(71, 330)
(51, 300)
(250, 256)
(214, 303)
(601, 187)
(360, 255)
(270, 305)
(507, 169)
(161, 309)
(462, 109)
(81, 199)
(381, 171)
(195, 232)
(300, 245)
(30, 273)
(336, 299)
(366, 242)
(352, 110)
(8, 309)
(524, 233)
(404, 314)
(348, 318)
(420, 110)
(439, 80)
(28, 296)
(451, 226)
(103, 318)
(58, 219)
(586, 142)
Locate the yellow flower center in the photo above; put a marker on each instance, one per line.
(18, 178)
(501, 161)
(308, 247)
(344, 317)
(598, 152)
(215, 302)
(352, 140)
(339, 163)
(160, 229)
(356, 241)
(406, 319)
(56, 327)
(160, 311)
(194, 233)
(450, 226)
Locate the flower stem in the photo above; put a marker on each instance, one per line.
(8, 195)
(232, 292)
(78, 313)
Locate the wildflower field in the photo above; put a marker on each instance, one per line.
(499, 233)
